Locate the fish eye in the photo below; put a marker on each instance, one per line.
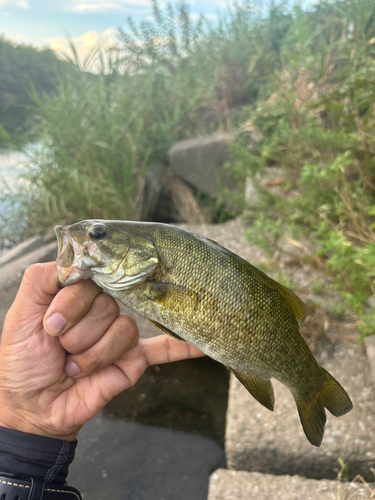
(97, 232)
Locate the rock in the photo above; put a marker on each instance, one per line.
(200, 162)
(274, 442)
(26, 247)
(240, 485)
(152, 205)
(14, 262)
(166, 198)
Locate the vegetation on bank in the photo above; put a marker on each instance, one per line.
(305, 79)
(317, 118)
(21, 69)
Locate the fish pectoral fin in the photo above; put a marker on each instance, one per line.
(260, 388)
(171, 296)
(166, 330)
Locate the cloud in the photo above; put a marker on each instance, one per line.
(21, 4)
(104, 5)
(85, 44)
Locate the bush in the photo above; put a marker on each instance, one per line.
(318, 123)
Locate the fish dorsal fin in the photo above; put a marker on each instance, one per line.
(260, 388)
(166, 330)
(298, 307)
(213, 241)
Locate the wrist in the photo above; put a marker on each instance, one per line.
(28, 455)
(16, 423)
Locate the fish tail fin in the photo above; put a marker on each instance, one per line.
(312, 413)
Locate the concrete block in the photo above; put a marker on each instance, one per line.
(274, 442)
(240, 485)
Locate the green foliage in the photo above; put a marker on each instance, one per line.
(264, 231)
(285, 280)
(168, 79)
(94, 157)
(23, 67)
(317, 121)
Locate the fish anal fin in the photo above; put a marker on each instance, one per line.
(260, 388)
(166, 330)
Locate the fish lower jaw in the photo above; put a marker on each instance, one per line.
(69, 275)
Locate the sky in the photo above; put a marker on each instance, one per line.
(46, 23)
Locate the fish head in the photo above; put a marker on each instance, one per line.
(105, 251)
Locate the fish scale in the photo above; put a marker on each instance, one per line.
(199, 291)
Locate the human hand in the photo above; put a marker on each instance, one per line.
(51, 383)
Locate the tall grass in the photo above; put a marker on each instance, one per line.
(168, 79)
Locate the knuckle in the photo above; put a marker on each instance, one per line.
(106, 305)
(70, 343)
(168, 349)
(32, 271)
(124, 333)
(74, 296)
(128, 327)
(91, 362)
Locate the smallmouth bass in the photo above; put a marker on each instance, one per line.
(198, 291)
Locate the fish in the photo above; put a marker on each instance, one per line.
(199, 292)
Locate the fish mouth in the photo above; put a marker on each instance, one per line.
(69, 258)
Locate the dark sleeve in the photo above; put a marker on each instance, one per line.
(27, 455)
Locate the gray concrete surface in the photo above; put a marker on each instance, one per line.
(131, 450)
(119, 460)
(274, 442)
(240, 485)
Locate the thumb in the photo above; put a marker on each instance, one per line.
(37, 289)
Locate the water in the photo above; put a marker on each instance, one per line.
(159, 440)
(11, 164)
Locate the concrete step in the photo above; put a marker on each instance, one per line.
(241, 485)
(274, 442)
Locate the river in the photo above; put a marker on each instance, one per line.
(11, 163)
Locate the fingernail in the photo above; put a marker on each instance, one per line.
(55, 324)
(71, 369)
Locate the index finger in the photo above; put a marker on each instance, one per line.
(154, 351)
(165, 349)
(69, 306)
